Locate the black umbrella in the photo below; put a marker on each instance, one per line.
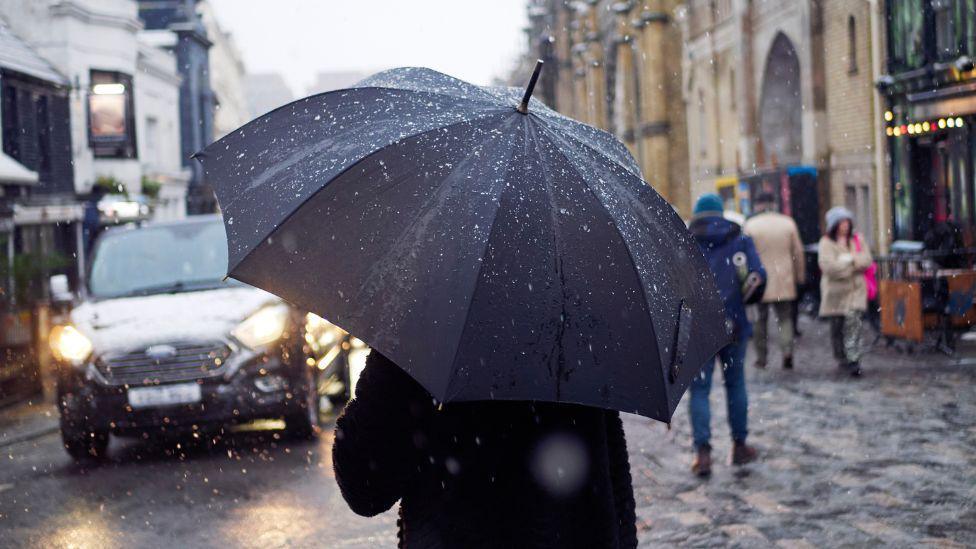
(492, 249)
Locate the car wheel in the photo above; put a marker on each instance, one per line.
(305, 423)
(84, 443)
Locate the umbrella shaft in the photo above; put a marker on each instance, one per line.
(524, 105)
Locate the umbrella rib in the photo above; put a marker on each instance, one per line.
(346, 169)
(599, 152)
(360, 295)
(630, 254)
(481, 268)
(554, 225)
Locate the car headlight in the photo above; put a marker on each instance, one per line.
(265, 326)
(69, 345)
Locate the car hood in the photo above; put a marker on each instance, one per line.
(134, 322)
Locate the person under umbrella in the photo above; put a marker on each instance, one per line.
(725, 248)
(518, 282)
(483, 474)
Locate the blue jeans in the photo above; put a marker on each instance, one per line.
(733, 360)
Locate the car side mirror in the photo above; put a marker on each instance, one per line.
(60, 289)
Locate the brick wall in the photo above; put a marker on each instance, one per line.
(850, 90)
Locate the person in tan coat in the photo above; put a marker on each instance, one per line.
(777, 240)
(843, 259)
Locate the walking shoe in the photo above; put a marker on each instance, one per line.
(761, 364)
(702, 464)
(787, 363)
(855, 368)
(742, 453)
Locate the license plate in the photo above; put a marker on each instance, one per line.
(164, 395)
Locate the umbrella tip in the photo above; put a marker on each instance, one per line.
(524, 105)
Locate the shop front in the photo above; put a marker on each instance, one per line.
(797, 191)
(933, 150)
(930, 90)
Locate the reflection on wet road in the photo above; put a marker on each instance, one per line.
(250, 489)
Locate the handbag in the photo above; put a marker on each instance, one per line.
(870, 274)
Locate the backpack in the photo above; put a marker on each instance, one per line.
(751, 285)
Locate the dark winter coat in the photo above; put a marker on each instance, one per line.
(488, 474)
(720, 239)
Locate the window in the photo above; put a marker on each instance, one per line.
(36, 131)
(906, 20)
(112, 132)
(953, 28)
(851, 45)
(152, 142)
(857, 199)
(969, 34)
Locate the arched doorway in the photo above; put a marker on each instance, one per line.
(780, 105)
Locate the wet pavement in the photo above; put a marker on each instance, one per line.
(889, 460)
(253, 489)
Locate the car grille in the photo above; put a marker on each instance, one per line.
(189, 362)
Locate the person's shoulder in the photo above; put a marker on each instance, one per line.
(763, 219)
(788, 219)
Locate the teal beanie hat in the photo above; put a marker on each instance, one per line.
(709, 202)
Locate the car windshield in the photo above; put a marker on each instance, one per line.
(160, 259)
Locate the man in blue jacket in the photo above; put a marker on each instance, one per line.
(724, 246)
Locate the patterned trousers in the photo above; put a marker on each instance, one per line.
(845, 336)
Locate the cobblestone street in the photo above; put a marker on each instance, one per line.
(887, 459)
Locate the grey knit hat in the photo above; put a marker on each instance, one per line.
(837, 214)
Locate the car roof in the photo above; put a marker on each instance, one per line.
(182, 222)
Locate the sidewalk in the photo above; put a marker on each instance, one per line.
(27, 421)
(886, 459)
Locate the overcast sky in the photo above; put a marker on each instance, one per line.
(473, 40)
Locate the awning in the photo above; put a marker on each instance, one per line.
(16, 55)
(43, 214)
(958, 100)
(14, 173)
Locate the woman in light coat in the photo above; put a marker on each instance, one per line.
(843, 259)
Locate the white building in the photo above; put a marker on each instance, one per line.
(124, 99)
(227, 76)
(157, 87)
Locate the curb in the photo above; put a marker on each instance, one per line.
(30, 435)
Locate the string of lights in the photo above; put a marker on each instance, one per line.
(923, 127)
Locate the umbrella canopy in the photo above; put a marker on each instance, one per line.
(492, 253)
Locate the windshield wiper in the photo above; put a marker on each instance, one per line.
(168, 288)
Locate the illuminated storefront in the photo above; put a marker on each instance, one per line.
(929, 122)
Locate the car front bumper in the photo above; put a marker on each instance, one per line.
(261, 386)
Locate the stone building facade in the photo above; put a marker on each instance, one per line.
(853, 137)
(227, 76)
(780, 97)
(616, 65)
(755, 95)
